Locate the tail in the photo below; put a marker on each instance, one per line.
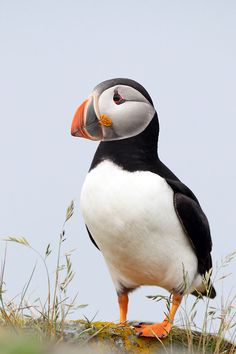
(208, 291)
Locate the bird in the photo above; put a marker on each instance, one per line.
(148, 225)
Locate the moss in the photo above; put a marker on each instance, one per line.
(106, 336)
(124, 338)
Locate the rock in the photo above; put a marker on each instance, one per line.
(110, 338)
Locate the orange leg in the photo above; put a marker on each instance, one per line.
(123, 303)
(161, 330)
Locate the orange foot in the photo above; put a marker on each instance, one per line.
(160, 330)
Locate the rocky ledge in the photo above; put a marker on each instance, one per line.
(109, 338)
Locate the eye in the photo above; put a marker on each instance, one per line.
(117, 98)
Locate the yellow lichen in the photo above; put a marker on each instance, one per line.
(131, 343)
(107, 337)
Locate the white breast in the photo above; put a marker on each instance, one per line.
(131, 217)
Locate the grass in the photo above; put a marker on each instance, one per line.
(48, 317)
(48, 320)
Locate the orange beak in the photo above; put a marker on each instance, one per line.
(78, 123)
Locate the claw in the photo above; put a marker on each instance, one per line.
(142, 324)
(139, 334)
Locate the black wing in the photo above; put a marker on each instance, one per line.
(191, 216)
(91, 238)
(194, 222)
(196, 227)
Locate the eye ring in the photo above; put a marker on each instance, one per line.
(117, 98)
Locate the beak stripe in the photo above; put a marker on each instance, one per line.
(78, 121)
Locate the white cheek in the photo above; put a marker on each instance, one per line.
(132, 118)
(128, 119)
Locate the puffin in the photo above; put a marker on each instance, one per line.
(148, 225)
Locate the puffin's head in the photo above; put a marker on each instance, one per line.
(116, 109)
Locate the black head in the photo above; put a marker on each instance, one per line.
(126, 82)
(116, 109)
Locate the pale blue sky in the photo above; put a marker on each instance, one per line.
(52, 54)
